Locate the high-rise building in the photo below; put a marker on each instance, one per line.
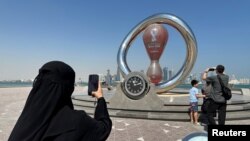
(171, 73)
(165, 73)
(108, 78)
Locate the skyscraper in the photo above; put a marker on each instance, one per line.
(108, 78)
(165, 74)
(170, 74)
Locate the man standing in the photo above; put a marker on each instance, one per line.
(216, 99)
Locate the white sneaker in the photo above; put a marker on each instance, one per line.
(197, 123)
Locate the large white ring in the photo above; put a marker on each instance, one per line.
(186, 33)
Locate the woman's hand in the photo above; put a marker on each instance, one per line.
(98, 94)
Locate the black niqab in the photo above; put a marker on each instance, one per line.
(48, 111)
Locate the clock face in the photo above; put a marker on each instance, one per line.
(135, 85)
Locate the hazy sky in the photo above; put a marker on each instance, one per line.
(87, 34)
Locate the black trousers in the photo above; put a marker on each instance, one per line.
(213, 107)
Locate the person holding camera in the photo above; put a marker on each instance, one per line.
(49, 115)
(215, 98)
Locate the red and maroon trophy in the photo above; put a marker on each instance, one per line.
(155, 38)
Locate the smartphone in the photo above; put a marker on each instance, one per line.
(93, 83)
(211, 69)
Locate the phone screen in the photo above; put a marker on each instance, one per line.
(93, 83)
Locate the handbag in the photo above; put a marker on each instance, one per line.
(227, 93)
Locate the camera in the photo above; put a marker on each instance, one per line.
(211, 69)
(93, 83)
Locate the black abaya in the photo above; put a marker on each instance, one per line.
(48, 114)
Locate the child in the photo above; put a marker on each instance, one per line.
(194, 95)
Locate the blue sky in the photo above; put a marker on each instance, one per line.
(87, 35)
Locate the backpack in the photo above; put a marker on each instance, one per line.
(227, 93)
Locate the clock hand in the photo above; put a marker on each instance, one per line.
(138, 84)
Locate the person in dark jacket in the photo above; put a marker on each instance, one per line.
(49, 115)
(216, 90)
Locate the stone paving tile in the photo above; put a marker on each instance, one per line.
(124, 129)
(151, 130)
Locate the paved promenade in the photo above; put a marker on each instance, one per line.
(124, 129)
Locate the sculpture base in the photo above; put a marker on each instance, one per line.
(175, 107)
(149, 102)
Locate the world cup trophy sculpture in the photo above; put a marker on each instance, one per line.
(155, 38)
(138, 90)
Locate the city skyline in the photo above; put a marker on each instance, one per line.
(87, 35)
(110, 78)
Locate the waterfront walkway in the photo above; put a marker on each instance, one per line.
(124, 129)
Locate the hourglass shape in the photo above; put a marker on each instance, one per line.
(155, 38)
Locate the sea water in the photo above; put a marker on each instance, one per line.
(29, 84)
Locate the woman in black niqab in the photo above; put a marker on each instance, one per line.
(48, 114)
